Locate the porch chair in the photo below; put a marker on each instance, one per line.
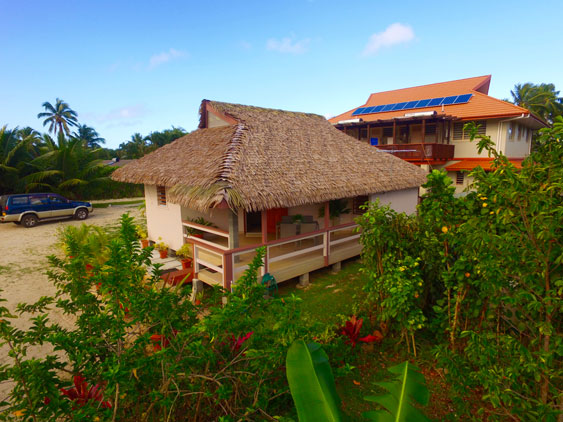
(310, 227)
(288, 230)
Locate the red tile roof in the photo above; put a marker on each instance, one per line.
(484, 163)
(480, 106)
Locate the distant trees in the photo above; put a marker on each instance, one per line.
(141, 145)
(59, 117)
(541, 99)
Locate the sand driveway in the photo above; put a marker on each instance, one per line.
(23, 262)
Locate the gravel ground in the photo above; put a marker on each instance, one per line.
(23, 264)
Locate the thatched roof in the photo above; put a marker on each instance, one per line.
(268, 159)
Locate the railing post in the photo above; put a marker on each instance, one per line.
(227, 271)
(196, 264)
(326, 237)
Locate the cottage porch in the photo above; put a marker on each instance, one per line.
(221, 256)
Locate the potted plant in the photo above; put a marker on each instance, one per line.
(297, 218)
(185, 253)
(162, 248)
(336, 208)
(190, 231)
(142, 233)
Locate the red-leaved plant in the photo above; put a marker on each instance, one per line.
(352, 330)
(81, 394)
(236, 343)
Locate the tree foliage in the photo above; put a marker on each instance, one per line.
(492, 276)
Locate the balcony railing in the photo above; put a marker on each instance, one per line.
(420, 152)
(285, 258)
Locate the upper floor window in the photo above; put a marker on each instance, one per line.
(510, 132)
(462, 135)
(161, 195)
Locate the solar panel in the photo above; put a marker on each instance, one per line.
(435, 101)
(463, 98)
(410, 105)
(423, 103)
(449, 100)
(358, 111)
(399, 106)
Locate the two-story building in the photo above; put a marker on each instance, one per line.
(424, 125)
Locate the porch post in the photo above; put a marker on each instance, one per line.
(327, 233)
(423, 129)
(233, 230)
(265, 237)
(394, 131)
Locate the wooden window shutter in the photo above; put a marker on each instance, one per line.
(460, 176)
(161, 195)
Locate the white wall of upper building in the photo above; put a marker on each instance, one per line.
(512, 137)
(404, 200)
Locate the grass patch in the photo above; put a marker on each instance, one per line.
(4, 269)
(330, 298)
(108, 204)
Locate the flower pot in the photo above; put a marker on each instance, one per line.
(163, 253)
(186, 263)
(198, 235)
(144, 243)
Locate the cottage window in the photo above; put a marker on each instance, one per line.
(161, 195)
(460, 176)
(357, 202)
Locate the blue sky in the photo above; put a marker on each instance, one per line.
(142, 66)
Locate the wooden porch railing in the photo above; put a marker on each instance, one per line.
(420, 152)
(227, 264)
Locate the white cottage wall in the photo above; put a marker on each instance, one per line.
(404, 200)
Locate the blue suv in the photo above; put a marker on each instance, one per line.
(28, 209)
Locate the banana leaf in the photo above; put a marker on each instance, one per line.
(407, 387)
(311, 383)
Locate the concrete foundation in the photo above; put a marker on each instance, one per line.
(304, 280)
(197, 288)
(336, 267)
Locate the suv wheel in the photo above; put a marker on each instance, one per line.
(81, 214)
(29, 220)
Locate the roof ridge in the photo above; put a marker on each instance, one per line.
(230, 157)
(503, 102)
(432, 84)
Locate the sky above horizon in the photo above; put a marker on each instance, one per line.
(128, 67)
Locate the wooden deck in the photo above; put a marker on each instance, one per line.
(216, 264)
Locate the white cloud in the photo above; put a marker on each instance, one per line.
(123, 116)
(165, 56)
(288, 45)
(394, 34)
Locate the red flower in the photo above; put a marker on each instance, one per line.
(81, 394)
(376, 336)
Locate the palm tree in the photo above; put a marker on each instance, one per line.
(59, 117)
(16, 150)
(542, 100)
(67, 167)
(89, 136)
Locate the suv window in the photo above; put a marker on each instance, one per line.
(58, 199)
(20, 200)
(37, 199)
